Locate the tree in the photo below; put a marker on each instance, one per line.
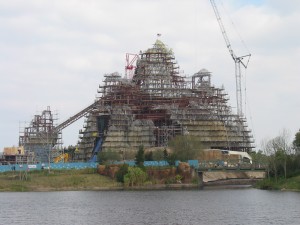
(270, 150)
(140, 157)
(258, 159)
(165, 154)
(284, 149)
(149, 156)
(108, 156)
(296, 142)
(158, 155)
(185, 147)
(172, 159)
(277, 150)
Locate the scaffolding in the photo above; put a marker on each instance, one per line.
(153, 104)
(40, 138)
(159, 103)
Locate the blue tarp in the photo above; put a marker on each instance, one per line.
(96, 150)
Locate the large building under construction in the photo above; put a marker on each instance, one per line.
(152, 106)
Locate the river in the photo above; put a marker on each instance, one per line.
(209, 206)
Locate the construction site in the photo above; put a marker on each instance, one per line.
(150, 105)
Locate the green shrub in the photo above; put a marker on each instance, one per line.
(170, 180)
(135, 177)
(178, 178)
(121, 173)
(195, 180)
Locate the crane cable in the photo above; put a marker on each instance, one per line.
(245, 77)
(247, 104)
(234, 27)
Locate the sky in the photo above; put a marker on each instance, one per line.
(56, 52)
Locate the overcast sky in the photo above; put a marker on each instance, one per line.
(55, 53)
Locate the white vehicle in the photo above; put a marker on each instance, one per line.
(244, 157)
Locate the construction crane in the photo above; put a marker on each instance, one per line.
(238, 61)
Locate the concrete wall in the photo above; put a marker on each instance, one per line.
(209, 176)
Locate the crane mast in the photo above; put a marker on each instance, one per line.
(238, 60)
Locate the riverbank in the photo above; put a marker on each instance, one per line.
(56, 180)
(72, 180)
(90, 180)
(289, 184)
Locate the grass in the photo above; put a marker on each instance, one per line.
(292, 183)
(56, 180)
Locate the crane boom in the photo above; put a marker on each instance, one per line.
(238, 60)
(222, 29)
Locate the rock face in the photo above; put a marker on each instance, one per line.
(161, 175)
(157, 175)
(101, 169)
(109, 171)
(183, 168)
(186, 172)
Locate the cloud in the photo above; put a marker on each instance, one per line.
(56, 53)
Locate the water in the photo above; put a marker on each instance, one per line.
(228, 206)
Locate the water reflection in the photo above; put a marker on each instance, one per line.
(228, 206)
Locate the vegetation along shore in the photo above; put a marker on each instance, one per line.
(279, 162)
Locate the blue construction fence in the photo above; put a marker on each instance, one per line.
(192, 163)
(82, 165)
(55, 166)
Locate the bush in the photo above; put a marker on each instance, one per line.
(178, 178)
(121, 173)
(267, 184)
(135, 177)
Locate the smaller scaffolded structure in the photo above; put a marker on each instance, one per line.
(157, 104)
(40, 138)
